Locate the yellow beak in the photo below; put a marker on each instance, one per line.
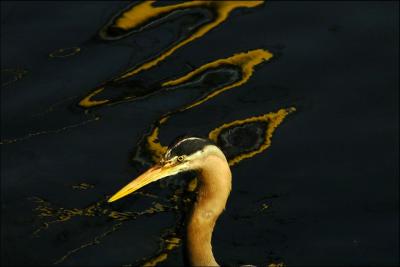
(153, 174)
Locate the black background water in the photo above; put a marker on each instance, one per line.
(330, 178)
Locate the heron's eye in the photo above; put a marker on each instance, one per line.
(181, 158)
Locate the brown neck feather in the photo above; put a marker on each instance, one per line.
(215, 186)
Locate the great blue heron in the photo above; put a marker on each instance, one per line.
(215, 181)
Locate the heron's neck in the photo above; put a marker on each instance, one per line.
(213, 192)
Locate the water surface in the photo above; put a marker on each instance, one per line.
(301, 96)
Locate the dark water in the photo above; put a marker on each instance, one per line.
(301, 96)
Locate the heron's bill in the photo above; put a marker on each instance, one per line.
(153, 174)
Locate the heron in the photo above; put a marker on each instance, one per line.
(215, 183)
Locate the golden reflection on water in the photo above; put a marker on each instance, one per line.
(58, 214)
(168, 244)
(145, 12)
(88, 102)
(244, 61)
(53, 215)
(272, 119)
(136, 18)
(45, 209)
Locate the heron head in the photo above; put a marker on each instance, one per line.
(185, 154)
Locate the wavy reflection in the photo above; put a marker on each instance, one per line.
(242, 62)
(210, 79)
(239, 139)
(246, 138)
(146, 14)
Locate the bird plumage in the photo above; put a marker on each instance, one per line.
(186, 146)
(215, 179)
